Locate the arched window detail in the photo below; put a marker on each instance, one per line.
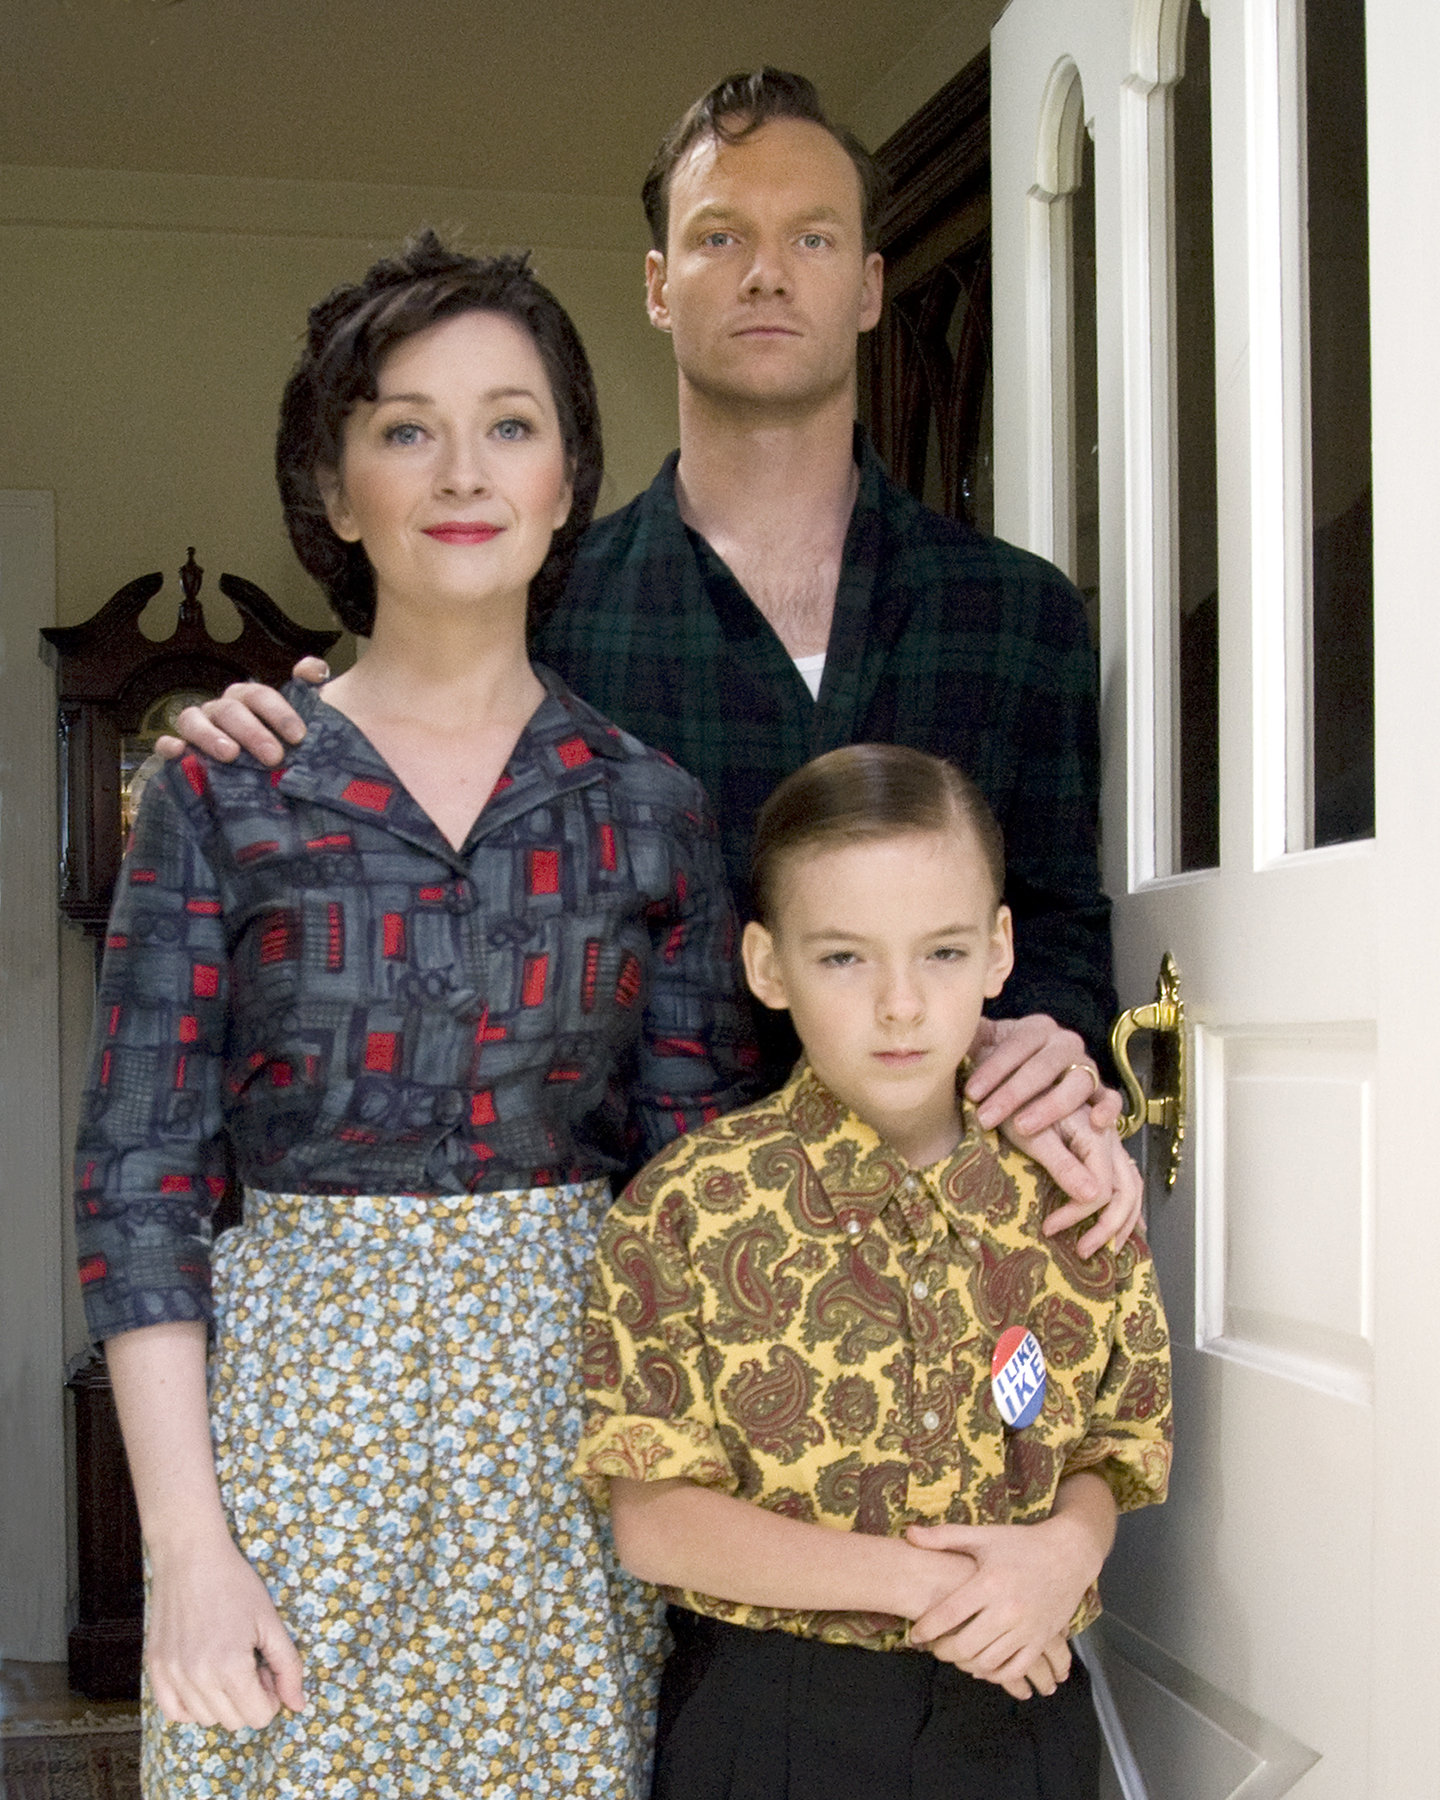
(1063, 485)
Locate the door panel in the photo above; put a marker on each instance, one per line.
(1244, 1616)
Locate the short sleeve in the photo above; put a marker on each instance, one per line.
(149, 1157)
(1130, 1435)
(648, 1411)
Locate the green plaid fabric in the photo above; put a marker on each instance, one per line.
(943, 639)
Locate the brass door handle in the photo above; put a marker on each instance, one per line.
(1165, 1016)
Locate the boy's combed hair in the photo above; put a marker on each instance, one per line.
(732, 110)
(350, 333)
(861, 792)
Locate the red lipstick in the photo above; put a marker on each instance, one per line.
(456, 531)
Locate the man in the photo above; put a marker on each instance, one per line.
(774, 552)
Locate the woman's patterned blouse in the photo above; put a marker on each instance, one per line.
(299, 961)
(782, 1309)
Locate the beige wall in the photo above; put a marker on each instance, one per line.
(954, 38)
(150, 321)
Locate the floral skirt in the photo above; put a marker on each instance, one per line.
(395, 1404)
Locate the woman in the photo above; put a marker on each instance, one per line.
(467, 953)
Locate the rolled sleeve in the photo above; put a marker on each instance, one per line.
(649, 1413)
(150, 1162)
(1129, 1440)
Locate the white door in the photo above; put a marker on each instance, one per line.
(1274, 1627)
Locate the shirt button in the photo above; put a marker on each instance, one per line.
(853, 1227)
(920, 1290)
(909, 1184)
(930, 1420)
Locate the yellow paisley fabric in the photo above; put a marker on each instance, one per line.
(782, 1309)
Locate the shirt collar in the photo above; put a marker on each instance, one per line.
(336, 765)
(859, 1174)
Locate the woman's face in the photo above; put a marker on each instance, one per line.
(453, 478)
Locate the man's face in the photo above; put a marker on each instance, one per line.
(765, 282)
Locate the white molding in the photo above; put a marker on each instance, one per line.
(1279, 521)
(1050, 314)
(1348, 1373)
(1147, 334)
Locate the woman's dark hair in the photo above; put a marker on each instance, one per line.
(350, 332)
(732, 110)
(864, 792)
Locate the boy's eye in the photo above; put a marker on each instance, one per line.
(949, 953)
(839, 959)
(513, 431)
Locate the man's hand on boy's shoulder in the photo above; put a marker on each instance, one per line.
(1035, 1082)
(247, 716)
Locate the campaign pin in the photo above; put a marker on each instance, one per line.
(1017, 1377)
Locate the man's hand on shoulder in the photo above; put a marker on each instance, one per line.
(1034, 1080)
(247, 716)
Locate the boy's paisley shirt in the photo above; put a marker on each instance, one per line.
(784, 1310)
(300, 962)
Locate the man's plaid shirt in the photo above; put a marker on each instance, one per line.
(942, 639)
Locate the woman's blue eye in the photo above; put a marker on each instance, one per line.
(511, 431)
(403, 434)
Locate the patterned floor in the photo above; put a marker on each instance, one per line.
(102, 1765)
(55, 1745)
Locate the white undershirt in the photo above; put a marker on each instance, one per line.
(811, 668)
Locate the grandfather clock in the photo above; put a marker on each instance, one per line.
(118, 691)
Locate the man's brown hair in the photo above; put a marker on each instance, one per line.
(734, 109)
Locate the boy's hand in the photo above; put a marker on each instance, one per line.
(1027, 1582)
(1023, 1594)
(1043, 1676)
(247, 716)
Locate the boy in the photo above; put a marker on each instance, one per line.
(849, 1404)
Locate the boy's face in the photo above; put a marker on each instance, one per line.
(885, 953)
